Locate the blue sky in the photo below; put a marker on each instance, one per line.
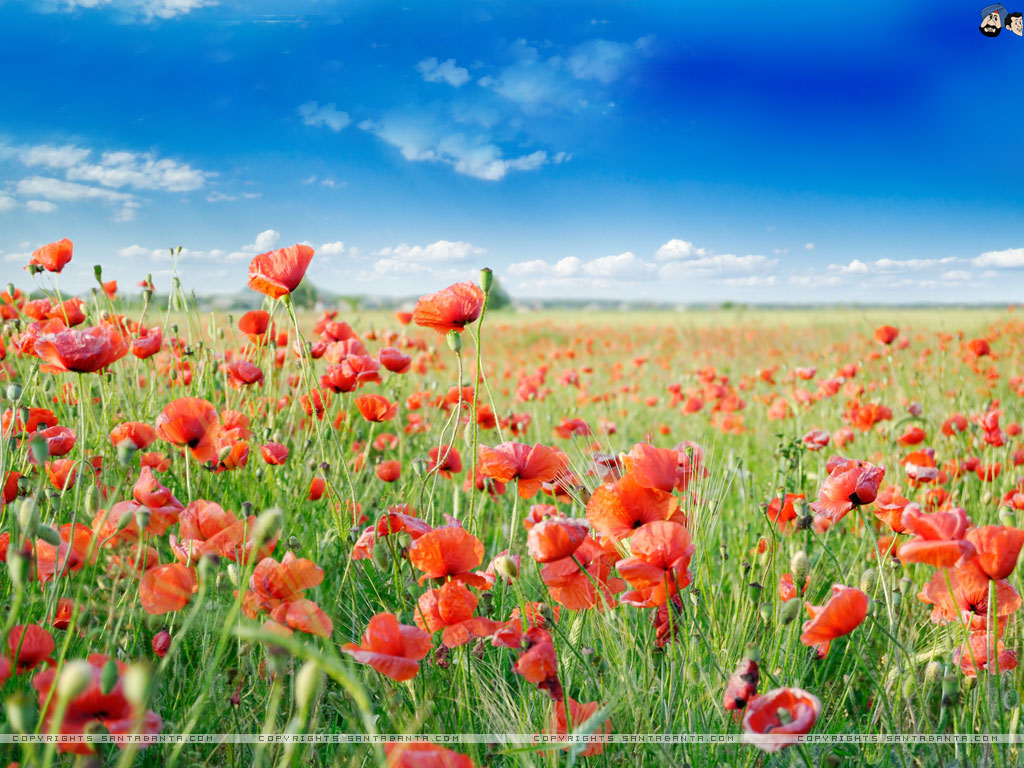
(672, 151)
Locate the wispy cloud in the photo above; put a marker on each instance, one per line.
(327, 115)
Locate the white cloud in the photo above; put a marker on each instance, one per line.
(66, 191)
(955, 276)
(808, 246)
(144, 10)
(328, 115)
(40, 206)
(332, 249)
(678, 249)
(1008, 259)
(7, 203)
(601, 60)
(889, 266)
(265, 241)
(445, 71)
(815, 281)
(624, 266)
(139, 170)
(64, 156)
(750, 281)
(440, 251)
(717, 263)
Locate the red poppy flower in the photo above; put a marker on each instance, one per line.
(278, 587)
(659, 565)
(167, 588)
(562, 723)
(779, 712)
(80, 351)
(783, 512)
(394, 360)
(376, 408)
(816, 439)
(303, 615)
(584, 580)
(742, 685)
(974, 654)
(969, 602)
(161, 643)
(138, 434)
(850, 484)
(450, 609)
(530, 465)
(193, 423)
(449, 552)
(317, 486)
(279, 272)
(843, 613)
(391, 648)
(451, 309)
(148, 342)
(555, 538)
(205, 528)
(998, 547)
(29, 646)
(446, 461)
(274, 453)
(255, 324)
(389, 471)
(538, 663)
(242, 373)
(423, 755)
(53, 257)
(979, 347)
(617, 510)
(939, 537)
(886, 334)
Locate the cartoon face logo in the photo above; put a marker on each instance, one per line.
(1015, 23)
(992, 19)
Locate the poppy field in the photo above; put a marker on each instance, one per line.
(455, 520)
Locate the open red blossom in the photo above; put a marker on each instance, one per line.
(584, 580)
(974, 655)
(939, 537)
(850, 484)
(889, 506)
(563, 723)
(659, 565)
(80, 351)
(274, 453)
(138, 434)
(998, 547)
(242, 373)
(205, 528)
(279, 272)
(969, 602)
(783, 512)
(53, 257)
(742, 685)
(886, 334)
(98, 704)
(616, 510)
(530, 465)
(193, 423)
(29, 645)
(538, 664)
(391, 648)
(555, 538)
(445, 460)
(376, 408)
(167, 588)
(451, 309)
(450, 552)
(450, 610)
(843, 613)
(780, 712)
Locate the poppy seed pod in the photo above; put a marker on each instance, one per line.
(868, 580)
(789, 611)
(765, 610)
(13, 391)
(126, 452)
(754, 591)
(75, 678)
(486, 279)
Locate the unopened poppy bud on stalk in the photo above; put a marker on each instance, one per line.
(506, 567)
(49, 535)
(74, 678)
(765, 610)
(108, 677)
(868, 580)
(97, 270)
(92, 500)
(10, 289)
(790, 610)
(126, 452)
(135, 681)
(40, 448)
(754, 591)
(381, 558)
(419, 466)
(266, 524)
(17, 568)
(14, 391)
(454, 339)
(125, 519)
(233, 573)
(28, 517)
(799, 566)
(19, 712)
(142, 515)
(486, 279)
(932, 672)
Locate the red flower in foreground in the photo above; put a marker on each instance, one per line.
(279, 272)
(274, 453)
(616, 510)
(424, 755)
(450, 609)
(93, 707)
(969, 602)
(660, 564)
(998, 547)
(843, 613)
(80, 351)
(782, 711)
(29, 646)
(530, 465)
(451, 309)
(190, 422)
(742, 686)
(555, 538)
(167, 588)
(939, 539)
(974, 655)
(53, 257)
(850, 484)
(391, 648)
(449, 552)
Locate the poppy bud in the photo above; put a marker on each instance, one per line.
(986, 498)
(161, 643)
(307, 683)
(75, 678)
(789, 611)
(506, 567)
(17, 568)
(293, 542)
(49, 535)
(125, 452)
(125, 519)
(223, 453)
(766, 612)
(381, 558)
(932, 672)
(1006, 517)
(10, 290)
(486, 278)
(804, 522)
(266, 524)
(949, 690)
(800, 507)
(233, 573)
(419, 466)
(142, 515)
(92, 500)
(246, 508)
(28, 517)
(868, 580)
(39, 447)
(799, 566)
(20, 713)
(454, 339)
(754, 591)
(897, 598)
(1010, 697)
(13, 391)
(135, 682)
(97, 271)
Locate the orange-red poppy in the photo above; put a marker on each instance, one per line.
(376, 408)
(845, 610)
(584, 580)
(80, 351)
(279, 272)
(450, 610)
(274, 453)
(389, 471)
(54, 256)
(616, 510)
(555, 538)
(29, 646)
(192, 423)
(969, 601)
(850, 484)
(939, 537)
(974, 655)
(659, 565)
(779, 712)
(998, 547)
(530, 465)
(451, 309)
(886, 334)
(450, 552)
(167, 588)
(418, 754)
(138, 434)
(391, 648)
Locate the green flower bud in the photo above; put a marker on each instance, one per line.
(307, 684)
(932, 672)
(868, 580)
(14, 391)
(267, 525)
(135, 682)
(17, 568)
(754, 591)
(40, 448)
(486, 279)
(789, 611)
(97, 271)
(142, 516)
(1005, 516)
(765, 609)
(950, 693)
(506, 567)
(49, 535)
(74, 678)
(454, 339)
(381, 557)
(799, 566)
(233, 574)
(28, 517)
(20, 712)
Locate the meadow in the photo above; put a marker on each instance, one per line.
(452, 520)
